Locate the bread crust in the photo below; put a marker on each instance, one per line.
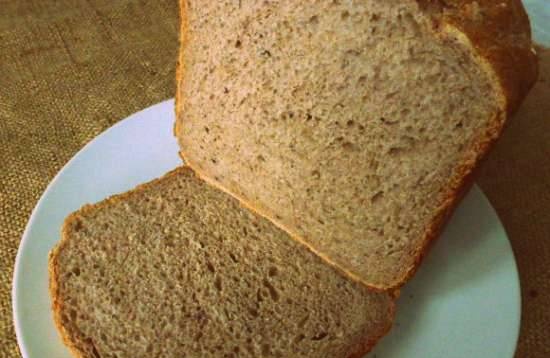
(498, 36)
(180, 69)
(57, 303)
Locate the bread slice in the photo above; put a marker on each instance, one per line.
(353, 125)
(177, 268)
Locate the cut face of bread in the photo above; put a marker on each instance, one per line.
(353, 125)
(177, 268)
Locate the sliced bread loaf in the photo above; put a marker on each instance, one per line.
(353, 125)
(176, 268)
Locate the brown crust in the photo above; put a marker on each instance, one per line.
(501, 43)
(57, 303)
(180, 69)
(498, 32)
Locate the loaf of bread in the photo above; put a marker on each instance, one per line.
(177, 268)
(353, 125)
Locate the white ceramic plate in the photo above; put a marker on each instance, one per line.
(464, 301)
(539, 14)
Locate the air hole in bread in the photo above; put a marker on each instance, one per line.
(273, 292)
(272, 271)
(377, 197)
(319, 336)
(218, 283)
(210, 267)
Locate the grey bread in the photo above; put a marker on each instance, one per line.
(353, 125)
(177, 268)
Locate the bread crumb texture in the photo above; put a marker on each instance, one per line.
(351, 124)
(177, 268)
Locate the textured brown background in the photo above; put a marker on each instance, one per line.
(70, 69)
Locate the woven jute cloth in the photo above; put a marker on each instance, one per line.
(69, 69)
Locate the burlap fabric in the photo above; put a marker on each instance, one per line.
(69, 69)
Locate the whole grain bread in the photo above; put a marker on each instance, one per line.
(353, 125)
(177, 268)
